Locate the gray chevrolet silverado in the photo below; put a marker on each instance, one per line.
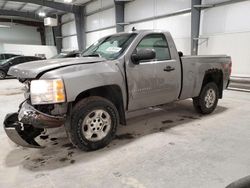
(91, 95)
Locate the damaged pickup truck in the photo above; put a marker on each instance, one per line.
(120, 73)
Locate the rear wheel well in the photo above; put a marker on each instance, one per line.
(216, 76)
(111, 92)
(3, 71)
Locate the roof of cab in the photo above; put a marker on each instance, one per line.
(148, 31)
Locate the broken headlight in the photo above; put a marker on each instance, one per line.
(47, 91)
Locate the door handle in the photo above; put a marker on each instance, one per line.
(169, 69)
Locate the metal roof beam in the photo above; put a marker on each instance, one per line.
(195, 26)
(3, 6)
(119, 15)
(80, 29)
(52, 4)
(23, 5)
(30, 15)
(38, 9)
(23, 22)
(57, 32)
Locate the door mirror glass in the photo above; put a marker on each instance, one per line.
(143, 54)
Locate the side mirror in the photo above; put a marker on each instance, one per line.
(142, 54)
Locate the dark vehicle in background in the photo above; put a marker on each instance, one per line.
(6, 64)
(5, 56)
(67, 55)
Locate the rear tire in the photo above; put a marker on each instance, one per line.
(2, 75)
(94, 122)
(207, 101)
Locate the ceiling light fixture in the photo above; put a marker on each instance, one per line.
(67, 1)
(41, 14)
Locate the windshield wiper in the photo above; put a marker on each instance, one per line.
(91, 55)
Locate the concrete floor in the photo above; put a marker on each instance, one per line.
(171, 146)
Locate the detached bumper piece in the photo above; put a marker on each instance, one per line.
(21, 134)
(29, 115)
(23, 127)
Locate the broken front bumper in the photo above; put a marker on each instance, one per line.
(29, 115)
(23, 127)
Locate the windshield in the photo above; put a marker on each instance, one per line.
(110, 47)
(6, 61)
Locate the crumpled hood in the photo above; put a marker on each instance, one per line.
(32, 69)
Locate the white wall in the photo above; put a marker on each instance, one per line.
(19, 34)
(31, 50)
(69, 41)
(1, 47)
(98, 4)
(94, 36)
(24, 40)
(93, 22)
(228, 31)
(100, 20)
(151, 8)
(179, 26)
(104, 21)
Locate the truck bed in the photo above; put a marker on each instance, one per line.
(194, 68)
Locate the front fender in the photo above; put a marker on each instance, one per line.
(80, 78)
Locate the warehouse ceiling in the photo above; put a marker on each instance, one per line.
(34, 9)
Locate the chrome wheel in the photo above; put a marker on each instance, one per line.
(210, 98)
(96, 125)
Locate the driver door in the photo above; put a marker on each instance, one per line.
(152, 82)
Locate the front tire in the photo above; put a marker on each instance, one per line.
(207, 101)
(2, 75)
(94, 122)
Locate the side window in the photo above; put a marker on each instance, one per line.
(34, 58)
(7, 56)
(2, 57)
(21, 60)
(158, 43)
(27, 59)
(15, 61)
